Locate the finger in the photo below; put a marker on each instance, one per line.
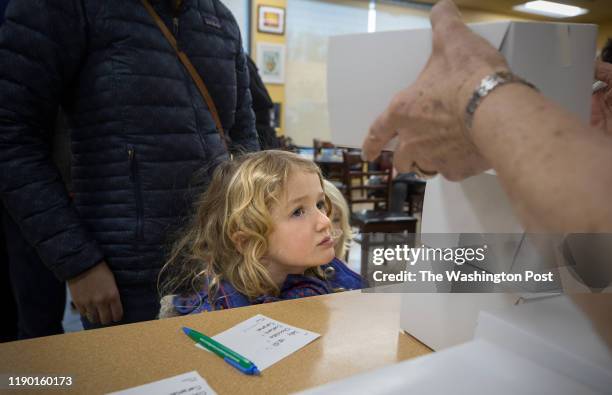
(608, 100)
(81, 309)
(385, 126)
(603, 72)
(380, 133)
(104, 312)
(403, 157)
(116, 308)
(444, 12)
(92, 315)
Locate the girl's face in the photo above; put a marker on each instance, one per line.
(302, 231)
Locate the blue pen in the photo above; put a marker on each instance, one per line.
(229, 356)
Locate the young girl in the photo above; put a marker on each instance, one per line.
(340, 220)
(262, 233)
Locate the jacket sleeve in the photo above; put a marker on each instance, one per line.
(243, 134)
(42, 44)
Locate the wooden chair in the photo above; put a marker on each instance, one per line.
(378, 220)
(373, 222)
(415, 199)
(355, 171)
(414, 190)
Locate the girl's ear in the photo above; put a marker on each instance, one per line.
(239, 239)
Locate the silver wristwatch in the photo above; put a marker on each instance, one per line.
(487, 85)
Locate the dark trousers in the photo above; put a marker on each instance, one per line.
(8, 327)
(140, 303)
(404, 186)
(399, 193)
(39, 295)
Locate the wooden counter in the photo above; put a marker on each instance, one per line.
(360, 332)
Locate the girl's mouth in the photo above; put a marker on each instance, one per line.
(327, 241)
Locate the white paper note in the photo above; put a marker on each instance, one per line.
(185, 384)
(264, 341)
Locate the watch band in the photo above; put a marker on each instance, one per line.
(488, 85)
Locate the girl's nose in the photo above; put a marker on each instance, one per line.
(323, 221)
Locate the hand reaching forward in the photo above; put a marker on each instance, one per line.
(601, 109)
(428, 117)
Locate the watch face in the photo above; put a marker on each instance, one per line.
(489, 83)
(598, 86)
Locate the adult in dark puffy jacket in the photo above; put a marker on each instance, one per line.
(140, 134)
(262, 106)
(8, 328)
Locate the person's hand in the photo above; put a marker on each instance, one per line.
(601, 108)
(603, 72)
(428, 117)
(96, 296)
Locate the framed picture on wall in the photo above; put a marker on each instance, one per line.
(270, 19)
(271, 62)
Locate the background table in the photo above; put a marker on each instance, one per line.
(360, 332)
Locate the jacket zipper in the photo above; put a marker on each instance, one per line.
(131, 159)
(175, 25)
(137, 192)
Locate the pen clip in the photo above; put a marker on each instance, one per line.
(250, 371)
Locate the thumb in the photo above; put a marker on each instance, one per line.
(444, 11)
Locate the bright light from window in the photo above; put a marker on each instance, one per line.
(548, 8)
(372, 17)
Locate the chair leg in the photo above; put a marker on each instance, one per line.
(361, 184)
(385, 244)
(365, 244)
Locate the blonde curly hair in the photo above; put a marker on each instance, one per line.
(340, 210)
(239, 199)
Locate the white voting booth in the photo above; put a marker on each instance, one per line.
(364, 72)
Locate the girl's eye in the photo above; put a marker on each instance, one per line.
(321, 205)
(297, 212)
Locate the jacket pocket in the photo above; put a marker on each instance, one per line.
(135, 180)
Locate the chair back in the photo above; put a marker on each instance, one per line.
(355, 170)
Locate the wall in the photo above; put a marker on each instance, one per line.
(240, 10)
(277, 91)
(311, 22)
(605, 32)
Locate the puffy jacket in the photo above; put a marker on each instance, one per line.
(262, 106)
(143, 142)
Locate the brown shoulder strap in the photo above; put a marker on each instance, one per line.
(190, 68)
